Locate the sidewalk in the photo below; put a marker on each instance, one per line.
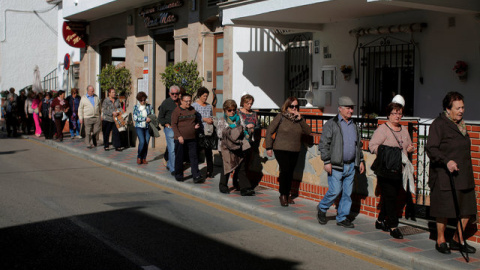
(415, 251)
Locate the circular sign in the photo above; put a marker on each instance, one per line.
(66, 61)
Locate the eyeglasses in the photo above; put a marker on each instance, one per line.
(294, 106)
(142, 100)
(187, 101)
(174, 94)
(399, 114)
(231, 110)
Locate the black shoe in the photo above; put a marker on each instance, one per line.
(346, 223)
(198, 180)
(322, 217)
(454, 245)
(179, 179)
(172, 173)
(247, 192)
(118, 149)
(380, 225)
(396, 233)
(443, 248)
(209, 175)
(224, 189)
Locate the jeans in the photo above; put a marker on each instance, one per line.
(170, 148)
(191, 147)
(143, 139)
(74, 131)
(339, 182)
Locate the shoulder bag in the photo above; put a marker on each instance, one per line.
(274, 135)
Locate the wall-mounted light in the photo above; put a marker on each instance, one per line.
(75, 2)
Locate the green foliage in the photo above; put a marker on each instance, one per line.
(118, 78)
(182, 74)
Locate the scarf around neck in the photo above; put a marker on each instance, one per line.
(461, 125)
(233, 121)
(290, 116)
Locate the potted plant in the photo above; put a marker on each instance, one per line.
(118, 78)
(461, 69)
(347, 72)
(183, 74)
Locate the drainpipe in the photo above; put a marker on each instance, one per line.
(153, 75)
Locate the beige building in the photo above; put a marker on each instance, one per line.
(145, 36)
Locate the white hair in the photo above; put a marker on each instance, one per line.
(174, 87)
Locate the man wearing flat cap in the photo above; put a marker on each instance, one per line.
(341, 151)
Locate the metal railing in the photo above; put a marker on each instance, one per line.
(50, 81)
(367, 126)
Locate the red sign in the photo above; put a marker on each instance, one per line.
(66, 61)
(74, 34)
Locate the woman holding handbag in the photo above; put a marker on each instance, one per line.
(233, 146)
(391, 134)
(206, 131)
(59, 107)
(110, 108)
(288, 126)
(140, 113)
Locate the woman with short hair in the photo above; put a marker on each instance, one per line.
(448, 147)
(111, 108)
(205, 112)
(185, 122)
(233, 145)
(141, 111)
(289, 126)
(391, 134)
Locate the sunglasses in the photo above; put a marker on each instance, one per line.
(294, 106)
(231, 110)
(174, 94)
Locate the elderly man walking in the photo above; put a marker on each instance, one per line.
(341, 151)
(89, 115)
(165, 118)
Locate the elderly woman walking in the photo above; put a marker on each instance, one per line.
(110, 108)
(391, 134)
(448, 148)
(233, 146)
(140, 113)
(289, 126)
(205, 112)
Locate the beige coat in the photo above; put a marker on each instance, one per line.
(86, 110)
(232, 145)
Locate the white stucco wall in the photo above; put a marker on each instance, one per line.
(258, 67)
(29, 40)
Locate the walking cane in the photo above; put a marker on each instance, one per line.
(457, 212)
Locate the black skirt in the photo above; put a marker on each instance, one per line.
(442, 205)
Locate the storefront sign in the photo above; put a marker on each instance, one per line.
(156, 15)
(74, 34)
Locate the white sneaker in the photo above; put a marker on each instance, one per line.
(79, 137)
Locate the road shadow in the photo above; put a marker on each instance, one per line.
(121, 239)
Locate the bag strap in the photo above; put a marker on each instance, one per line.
(399, 144)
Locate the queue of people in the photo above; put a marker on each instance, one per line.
(190, 128)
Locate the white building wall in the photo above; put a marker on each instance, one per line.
(26, 40)
(258, 67)
(440, 47)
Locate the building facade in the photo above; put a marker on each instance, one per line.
(394, 47)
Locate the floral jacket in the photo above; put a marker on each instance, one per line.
(138, 118)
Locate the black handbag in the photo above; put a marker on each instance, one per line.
(388, 163)
(207, 142)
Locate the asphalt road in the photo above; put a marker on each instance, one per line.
(58, 211)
